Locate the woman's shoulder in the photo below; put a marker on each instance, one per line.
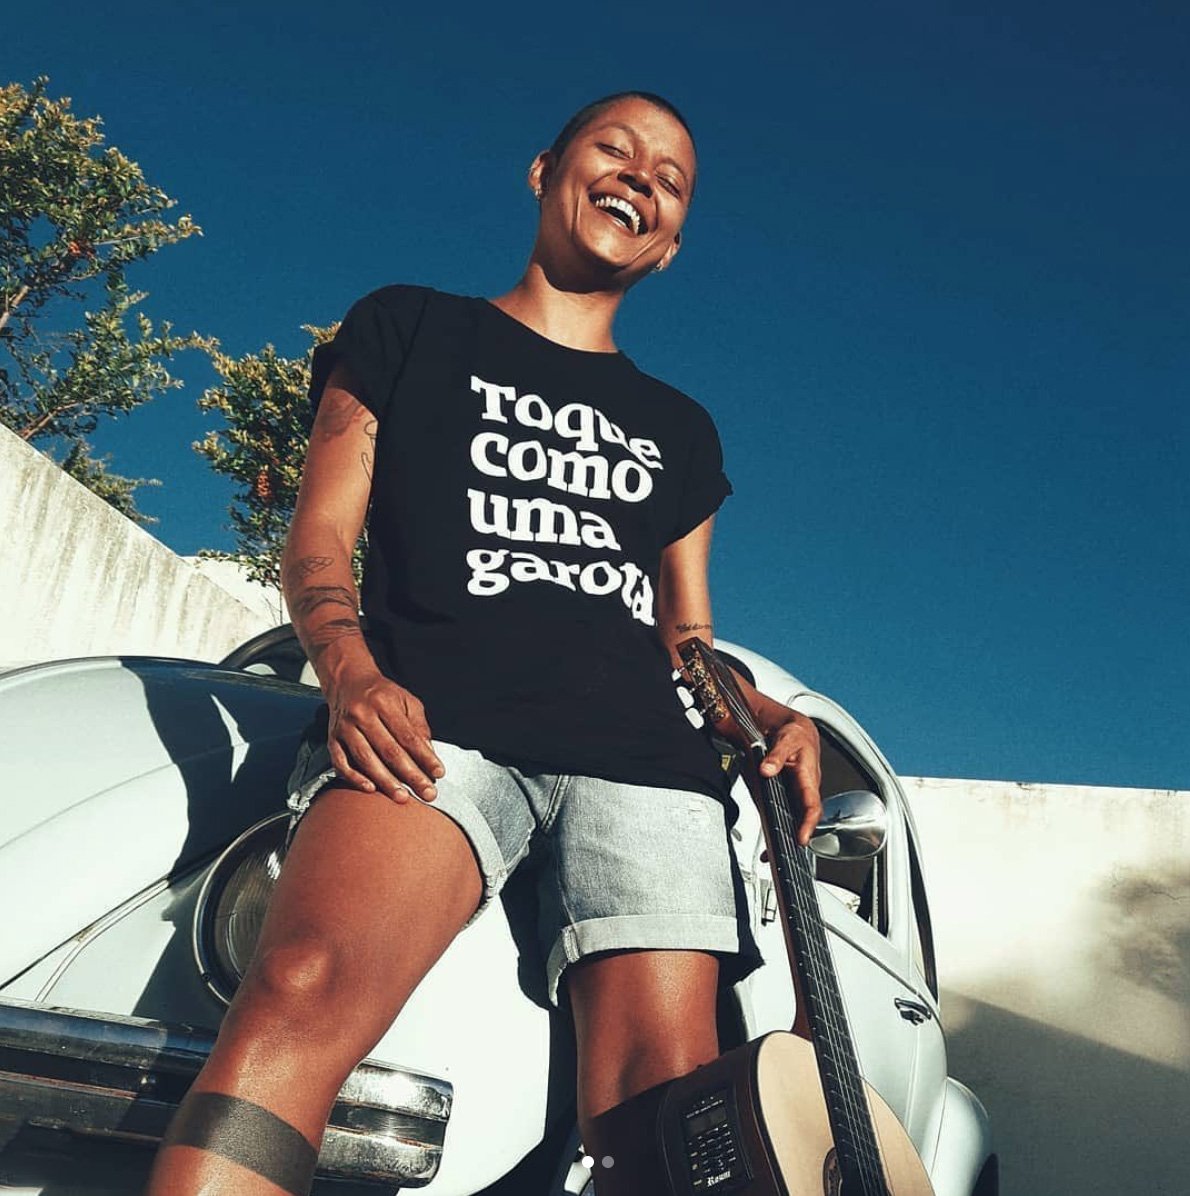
(398, 296)
(397, 309)
(403, 293)
(677, 403)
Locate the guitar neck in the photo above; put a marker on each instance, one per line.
(814, 971)
(818, 989)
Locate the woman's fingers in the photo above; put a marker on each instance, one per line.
(804, 774)
(404, 721)
(409, 757)
(366, 760)
(417, 743)
(795, 750)
(805, 771)
(343, 767)
(390, 768)
(379, 738)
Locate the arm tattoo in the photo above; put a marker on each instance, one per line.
(308, 565)
(368, 456)
(312, 597)
(328, 633)
(337, 409)
(693, 627)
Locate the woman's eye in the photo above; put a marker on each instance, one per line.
(615, 149)
(671, 187)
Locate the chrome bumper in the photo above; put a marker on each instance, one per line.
(122, 1077)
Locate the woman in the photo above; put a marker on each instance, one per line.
(541, 518)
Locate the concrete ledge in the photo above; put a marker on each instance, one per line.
(81, 579)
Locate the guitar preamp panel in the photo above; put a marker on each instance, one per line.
(716, 1159)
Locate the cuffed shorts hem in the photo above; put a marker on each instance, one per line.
(615, 866)
(673, 932)
(484, 845)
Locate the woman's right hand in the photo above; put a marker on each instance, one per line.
(378, 736)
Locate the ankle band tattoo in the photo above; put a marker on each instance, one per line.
(247, 1134)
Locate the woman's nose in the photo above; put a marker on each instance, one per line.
(638, 178)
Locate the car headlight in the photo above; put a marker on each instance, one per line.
(232, 904)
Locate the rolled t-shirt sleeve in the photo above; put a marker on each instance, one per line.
(705, 485)
(371, 341)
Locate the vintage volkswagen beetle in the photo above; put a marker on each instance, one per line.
(140, 828)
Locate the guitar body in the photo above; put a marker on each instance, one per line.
(751, 1123)
(794, 1112)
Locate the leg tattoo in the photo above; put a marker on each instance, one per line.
(247, 1134)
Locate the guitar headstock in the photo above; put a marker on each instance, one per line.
(717, 693)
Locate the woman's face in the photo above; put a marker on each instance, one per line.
(616, 199)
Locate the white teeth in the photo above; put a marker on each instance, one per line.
(621, 205)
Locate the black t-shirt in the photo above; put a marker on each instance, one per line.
(522, 493)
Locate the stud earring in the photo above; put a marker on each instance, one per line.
(538, 192)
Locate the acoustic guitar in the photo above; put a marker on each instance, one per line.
(788, 1114)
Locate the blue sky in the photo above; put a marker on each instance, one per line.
(933, 289)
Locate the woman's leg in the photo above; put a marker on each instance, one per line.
(371, 893)
(640, 1017)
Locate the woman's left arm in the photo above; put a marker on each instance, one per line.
(683, 610)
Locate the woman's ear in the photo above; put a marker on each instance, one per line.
(539, 173)
(668, 255)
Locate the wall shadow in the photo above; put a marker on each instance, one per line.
(1072, 1117)
(1144, 918)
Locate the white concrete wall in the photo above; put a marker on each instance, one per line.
(266, 601)
(1062, 920)
(80, 579)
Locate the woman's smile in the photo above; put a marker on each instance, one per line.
(623, 211)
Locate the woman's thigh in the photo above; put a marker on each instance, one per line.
(640, 1017)
(370, 894)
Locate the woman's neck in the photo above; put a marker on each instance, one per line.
(576, 319)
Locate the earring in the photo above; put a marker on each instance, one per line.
(538, 192)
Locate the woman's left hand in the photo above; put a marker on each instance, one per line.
(793, 747)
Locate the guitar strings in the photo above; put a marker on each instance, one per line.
(849, 1082)
(831, 1021)
(845, 1103)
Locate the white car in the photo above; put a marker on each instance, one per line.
(141, 820)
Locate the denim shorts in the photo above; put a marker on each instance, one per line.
(615, 865)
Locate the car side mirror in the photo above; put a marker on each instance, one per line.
(852, 827)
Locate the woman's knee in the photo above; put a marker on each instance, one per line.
(305, 989)
(302, 971)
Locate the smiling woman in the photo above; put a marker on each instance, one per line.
(486, 724)
(630, 159)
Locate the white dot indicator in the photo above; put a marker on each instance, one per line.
(588, 1162)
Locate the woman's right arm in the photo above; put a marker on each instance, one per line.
(378, 736)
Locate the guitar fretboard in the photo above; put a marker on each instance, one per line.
(838, 1065)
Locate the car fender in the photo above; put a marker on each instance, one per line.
(964, 1144)
(121, 771)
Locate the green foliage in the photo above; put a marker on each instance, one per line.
(110, 487)
(262, 447)
(74, 215)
